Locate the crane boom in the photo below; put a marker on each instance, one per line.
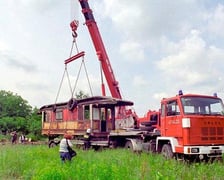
(100, 50)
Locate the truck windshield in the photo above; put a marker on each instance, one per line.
(202, 105)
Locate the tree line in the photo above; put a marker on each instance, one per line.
(17, 115)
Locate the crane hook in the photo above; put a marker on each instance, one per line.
(74, 25)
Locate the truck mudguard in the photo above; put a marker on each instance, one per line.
(166, 140)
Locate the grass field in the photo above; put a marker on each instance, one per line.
(38, 162)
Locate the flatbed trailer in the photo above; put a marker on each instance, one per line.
(134, 139)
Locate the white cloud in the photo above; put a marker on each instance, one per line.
(139, 81)
(3, 46)
(159, 96)
(216, 20)
(194, 63)
(133, 51)
(17, 61)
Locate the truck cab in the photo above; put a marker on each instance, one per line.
(192, 126)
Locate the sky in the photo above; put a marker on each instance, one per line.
(155, 47)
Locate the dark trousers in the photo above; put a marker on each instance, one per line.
(65, 156)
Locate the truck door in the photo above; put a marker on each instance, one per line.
(170, 119)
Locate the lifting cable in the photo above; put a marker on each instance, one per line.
(69, 83)
(79, 54)
(76, 82)
(65, 71)
(82, 64)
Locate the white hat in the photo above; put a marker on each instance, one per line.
(88, 131)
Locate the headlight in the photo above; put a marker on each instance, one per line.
(194, 150)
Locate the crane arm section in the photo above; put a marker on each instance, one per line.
(100, 49)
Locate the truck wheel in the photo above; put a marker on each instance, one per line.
(51, 144)
(128, 145)
(167, 151)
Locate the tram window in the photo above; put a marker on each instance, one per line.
(86, 112)
(59, 114)
(44, 116)
(96, 114)
(47, 116)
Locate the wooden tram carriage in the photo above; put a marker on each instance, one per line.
(97, 113)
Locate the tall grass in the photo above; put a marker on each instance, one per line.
(38, 162)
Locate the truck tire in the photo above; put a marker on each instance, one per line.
(128, 145)
(53, 143)
(167, 151)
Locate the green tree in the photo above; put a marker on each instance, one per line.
(13, 105)
(15, 113)
(34, 123)
(81, 95)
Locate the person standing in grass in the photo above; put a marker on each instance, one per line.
(63, 148)
(87, 137)
(22, 138)
(14, 137)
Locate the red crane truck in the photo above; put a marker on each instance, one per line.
(188, 126)
(101, 114)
